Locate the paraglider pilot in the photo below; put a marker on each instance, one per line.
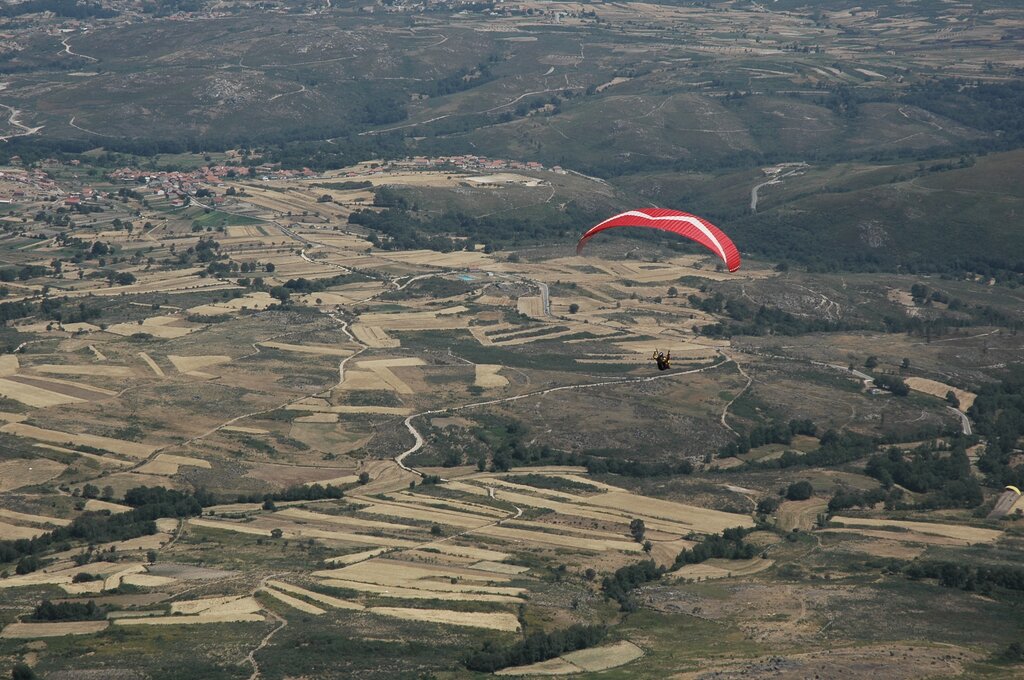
(664, 360)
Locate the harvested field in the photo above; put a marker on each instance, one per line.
(428, 514)
(437, 578)
(965, 534)
(64, 387)
(319, 350)
(167, 464)
(244, 430)
(355, 557)
(29, 631)
(194, 365)
(715, 569)
(316, 597)
(701, 520)
(940, 390)
(495, 621)
(532, 306)
(152, 364)
(294, 602)
(294, 531)
(442, 319)
(20, 472)
(38, 520)
(148, 580)
(374, 336)
(119, 446)
(8, 364)
(801, 515)
(289, 475)
(417, 593)
(96, 505)
(188, 572)
(556, 666)
(259, 300)
(14, 532)
(84, 369)
(34, 396)
(557, 540)
(188, 620)
(164, 327)
(582, 661)
(358, 522)
(216, 605)
(487, 375)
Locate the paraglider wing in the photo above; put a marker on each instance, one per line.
(692, 227)
(1014, 489)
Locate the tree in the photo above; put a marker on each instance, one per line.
(108, 493)
(952, 399)
(799, 491)
(269, 505)
(276, 533)
(151, 556)
(269, 268)
(573, 308)
(90, 491)
(637, 529)
(364, 477)
(871, 362)
(673, 291)
(22, 671)
(435, 530)
(905, 364)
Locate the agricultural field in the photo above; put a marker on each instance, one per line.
(491, 452)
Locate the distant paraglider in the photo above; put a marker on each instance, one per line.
(692, 227)
(1014, 489)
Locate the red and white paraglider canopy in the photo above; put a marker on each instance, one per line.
(692, 227)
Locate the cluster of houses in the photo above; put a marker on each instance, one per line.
(471, 163)
(18, 186)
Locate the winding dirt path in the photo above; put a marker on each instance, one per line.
(67, 50)
(251, 656)
(750, 381)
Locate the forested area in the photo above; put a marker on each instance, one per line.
(536, 647)
(148, 504)
(944, 475)
(998, 414)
